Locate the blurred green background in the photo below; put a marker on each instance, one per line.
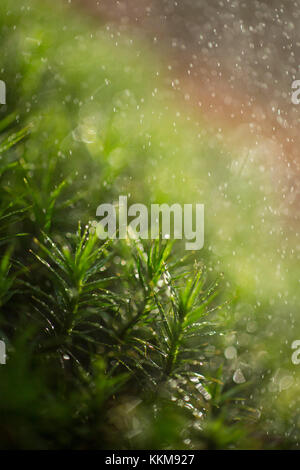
(97, 114)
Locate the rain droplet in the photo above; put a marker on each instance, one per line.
(238, 377)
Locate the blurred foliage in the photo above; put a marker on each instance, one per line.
(121, 344)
